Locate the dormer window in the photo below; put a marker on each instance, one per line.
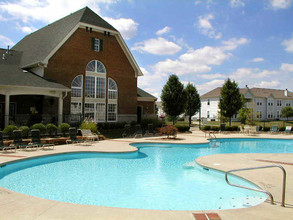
(97, 44)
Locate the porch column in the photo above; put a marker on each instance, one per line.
(60, 110)
(7, 101)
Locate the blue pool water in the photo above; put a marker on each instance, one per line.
(158, 176)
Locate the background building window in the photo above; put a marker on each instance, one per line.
(75, 108)
(208, 114)
(208, 102)
(112, 112)
(76, 86)
(112, 89)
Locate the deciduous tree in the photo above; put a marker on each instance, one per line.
(192, 101)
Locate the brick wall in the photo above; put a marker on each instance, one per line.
(72, 58)
(148, 108)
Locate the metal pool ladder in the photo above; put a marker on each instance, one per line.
(260, 190)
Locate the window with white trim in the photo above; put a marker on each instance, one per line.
(112, 89)
(76, 108)
(100, 87)
(89, 111)
(208, 102)
(270, 102)
(100, 112)
(208, 114)
(288, 103)
(270, 114)
(259, 114)
(90, 87)
(112, 112)
(278, 114)
(279, 103)
(97, 44)
(76, 86)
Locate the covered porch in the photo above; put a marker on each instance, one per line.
(23, 105)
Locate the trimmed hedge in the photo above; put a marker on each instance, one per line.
(206, 128)
(64, 128)
(215, 128)
(41, 127)
(24, 131)
(182, 128)
(266, 128)
(9, 130)
(51, 129)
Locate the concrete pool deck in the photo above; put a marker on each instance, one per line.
(20, 206)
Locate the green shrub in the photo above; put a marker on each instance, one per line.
(51, 129)
(89, 125)
(156, 123)
(266, 128)
(215, 128)
(235, 128)
(41, 127)
(180, 119)
(228, 128)
(64, 128)
(282, 129)
(24, 131)
(9, 130)
(206, 128)
(111, 125)
(182, 128)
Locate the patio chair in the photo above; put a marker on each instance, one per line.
(150, 131)
(73, 137)
(138, 131)
(88, 135)
(288, 129)
(127, 131)
(274, 129)
(18, 143)
(36, 140)
(241, 129)
(2, 147)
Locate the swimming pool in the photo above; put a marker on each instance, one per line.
(158, 176)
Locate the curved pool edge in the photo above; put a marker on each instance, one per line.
(43, 208)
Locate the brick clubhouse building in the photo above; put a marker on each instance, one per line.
(76, 67)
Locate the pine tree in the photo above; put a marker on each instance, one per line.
(231, 100)
(173, 98)
(192, 102)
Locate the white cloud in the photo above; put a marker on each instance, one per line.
(200, 60)
(126, 26)
(208, 86)
(286, 67)
(257, 59)
(250, 74)
(233, 43)
(158, 46)
(205, 27)
(280, 4)
(288, 44)
(165, 30)
(266, 84)
(237, 3)
(5, 41)
(212, 76)
(28, 30)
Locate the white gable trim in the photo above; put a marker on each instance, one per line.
(99, 29)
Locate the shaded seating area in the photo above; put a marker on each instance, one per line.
(73, 137)
(288, 130)
(274, 129)
(150, 131)
(3, 147)
(138, 131)
(19, 143)
(36, 140)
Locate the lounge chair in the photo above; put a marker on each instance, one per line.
(138, 131)
(150, 131)
(36, 140)
(73, 137)
(274, 129)
(5, 148)
(288, 129)
(18, 143)
(127, 131)
(88, 135)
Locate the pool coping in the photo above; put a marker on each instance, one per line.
(50, 206)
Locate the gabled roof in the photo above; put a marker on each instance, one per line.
(143, 94)
(38, 45)
(12, 75)
(256, 92)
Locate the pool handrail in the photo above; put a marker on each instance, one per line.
(260, 190)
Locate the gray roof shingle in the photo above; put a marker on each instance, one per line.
(144, 94)
(12, 75)
(38, 45)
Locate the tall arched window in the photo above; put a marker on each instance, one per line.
(76, 97)
(112, 89)
(76, 86)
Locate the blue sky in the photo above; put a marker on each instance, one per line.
(202, 41)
